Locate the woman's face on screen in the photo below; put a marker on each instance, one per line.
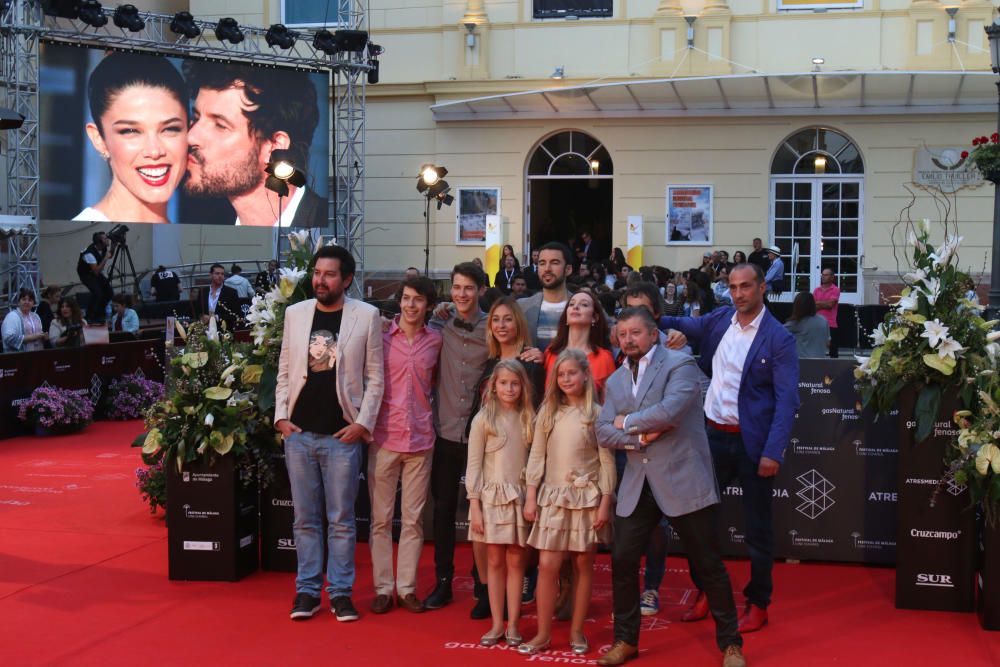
(144, 131)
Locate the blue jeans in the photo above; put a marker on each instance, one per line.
(659, 540)
(733, 463)
(324, 474)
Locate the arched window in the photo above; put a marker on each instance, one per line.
(568, 154)
(817, 200)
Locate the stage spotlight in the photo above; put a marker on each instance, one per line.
(282, 171)
(10, 119)
(280, 36)
(183, 24)
(374, 50)
(92, 14)
(228, 30)
(66, 9)
(127, 17)
(353, 41)
(323, 41)
(429, 176)
(373, 72)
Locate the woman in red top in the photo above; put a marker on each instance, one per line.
(584, 326)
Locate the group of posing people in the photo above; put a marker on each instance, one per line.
(531, 403)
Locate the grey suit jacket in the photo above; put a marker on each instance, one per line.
(678, 465)
(360, 375)
(532, 306)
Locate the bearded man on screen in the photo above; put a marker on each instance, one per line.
(240, 116)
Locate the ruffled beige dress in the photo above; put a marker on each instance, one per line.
(495, 475)
(572, 474)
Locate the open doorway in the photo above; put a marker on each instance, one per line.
(569, 191)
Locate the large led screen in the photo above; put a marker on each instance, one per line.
(140, 138)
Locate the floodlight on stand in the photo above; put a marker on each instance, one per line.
(323, 41)
(280, 36)
(429, 175)
(127, 17)
(559, 73)
(228, 30)
(92, 14)
(183, 24)
(282, 167)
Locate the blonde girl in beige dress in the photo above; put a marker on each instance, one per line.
(494, 481)
(571, 483)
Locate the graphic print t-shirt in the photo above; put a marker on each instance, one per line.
(548, 322)
(317, 409)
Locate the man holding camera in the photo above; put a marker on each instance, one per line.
(90, 269)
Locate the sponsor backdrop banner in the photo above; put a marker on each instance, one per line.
(936, 529)
(835, 496)
(88, 369)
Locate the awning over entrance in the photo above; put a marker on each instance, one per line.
(806, 93)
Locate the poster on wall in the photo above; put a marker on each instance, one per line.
(689, 215)
(474, 204)
(142, 138)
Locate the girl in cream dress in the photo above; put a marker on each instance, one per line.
(570, 490)
(494, 482)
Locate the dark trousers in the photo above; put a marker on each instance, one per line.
(732, 463)
(834, 342)
(100, 293)
(659, 539)
(447, 470)
(698, 533)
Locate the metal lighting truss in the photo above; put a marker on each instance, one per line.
(349, 141)
(23, 25)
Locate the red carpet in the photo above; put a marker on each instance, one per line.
(83, 582)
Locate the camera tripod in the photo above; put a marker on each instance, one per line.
(120, 259)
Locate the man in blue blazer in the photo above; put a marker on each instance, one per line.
(750, 407)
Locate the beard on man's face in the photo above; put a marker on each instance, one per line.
(228, 180)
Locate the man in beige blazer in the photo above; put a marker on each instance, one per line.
(330, 382)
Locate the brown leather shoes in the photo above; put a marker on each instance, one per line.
(381, 604)
(410, 603)
(698, 610)
(754, 618)
(619, 654)
(733, 657)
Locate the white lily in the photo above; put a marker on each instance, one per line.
(932, 290)
(878, 336)
(209, 420)
(934, 332)
(213, 329)
(915, 276)
(992, 350)
(289, 280)
(865, 362)
(948, 348)
(297, 240)
(925, 226)
(908, 302)
(911, 239)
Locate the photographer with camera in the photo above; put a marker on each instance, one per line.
(90, 269)
(66, 329)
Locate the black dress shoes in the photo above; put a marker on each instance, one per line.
(440, 596)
